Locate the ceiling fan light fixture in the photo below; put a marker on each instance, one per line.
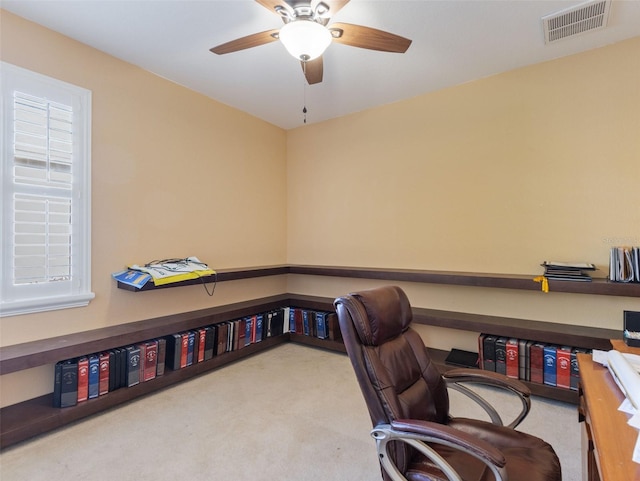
(305, 39)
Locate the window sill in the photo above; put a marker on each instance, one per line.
(45, 304)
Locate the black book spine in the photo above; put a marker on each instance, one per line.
(162, 352)
(117, 383)
(174, 352)
(489, 353)
(68, 384)
(501, 355)
(133, 366)
(112, 370)
(123, 366)
(209, 341)
(57, 385)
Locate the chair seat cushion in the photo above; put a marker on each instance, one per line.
(528, 458)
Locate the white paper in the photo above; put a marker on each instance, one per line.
(625, 370)
(627, 407)
(636, 452)
(599, 356)
(634, 421)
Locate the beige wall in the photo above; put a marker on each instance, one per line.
(491, 176)
(497, 175)
(173, 174)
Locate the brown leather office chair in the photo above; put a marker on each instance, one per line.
(408, 402)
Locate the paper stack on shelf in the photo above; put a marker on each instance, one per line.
(565, 271)
(624, 264)
(175, 270)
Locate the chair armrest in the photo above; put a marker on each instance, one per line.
(466, 442)
(419, 434)
(456, 378)
(486, 377)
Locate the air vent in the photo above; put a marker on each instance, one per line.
(576, 20)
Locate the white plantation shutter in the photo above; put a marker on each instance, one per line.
(42, 239)
(43, 154)
(46, 193)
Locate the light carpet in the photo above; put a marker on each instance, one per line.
(289, 413)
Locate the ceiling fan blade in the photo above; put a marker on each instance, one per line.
(370, 38)
(249, 41)
(334, 5)
(313, 70)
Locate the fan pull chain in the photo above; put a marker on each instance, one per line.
(304, 92)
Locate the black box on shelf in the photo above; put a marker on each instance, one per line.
(460, 358)
(632, 328)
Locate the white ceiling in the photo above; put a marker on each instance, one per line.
(454, 41)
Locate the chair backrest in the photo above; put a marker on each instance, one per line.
(394, 370)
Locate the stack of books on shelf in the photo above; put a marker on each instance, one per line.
(93, 375)
(624, 264)
(530, 361)
(323, 325)
(565, 271)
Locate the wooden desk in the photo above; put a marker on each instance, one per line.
(607, 439)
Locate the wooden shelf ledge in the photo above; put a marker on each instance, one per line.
(29, 418)
(471, 279)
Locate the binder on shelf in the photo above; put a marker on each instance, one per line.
(150, 365)
(512, 359)
(94, 376)
(550, 375)
(563, 367)
(184, 350)
(321, 325)
(191, 336)
(202, 341)
(501, 355)
(133, 365)
(173, 356)
(103, 383)
(83, 379)
(209, 342)
(65, 389)
(489, 352)
(162, 353)
(259, 326)
(112, 369)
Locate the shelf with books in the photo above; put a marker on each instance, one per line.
(36, 416)
(438, 356)
(48, 351)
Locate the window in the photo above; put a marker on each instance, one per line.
(45, 217)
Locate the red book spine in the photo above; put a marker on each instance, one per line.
(83, 379)
(536, 361)
(513, 365)
(481, 350)
(563, 367)
(150, 360)
(143, 357)
(254, 325)
(202, 333)
(185, 349)
(104, 373)
(299, 323)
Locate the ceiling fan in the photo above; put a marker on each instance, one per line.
(306, 34)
